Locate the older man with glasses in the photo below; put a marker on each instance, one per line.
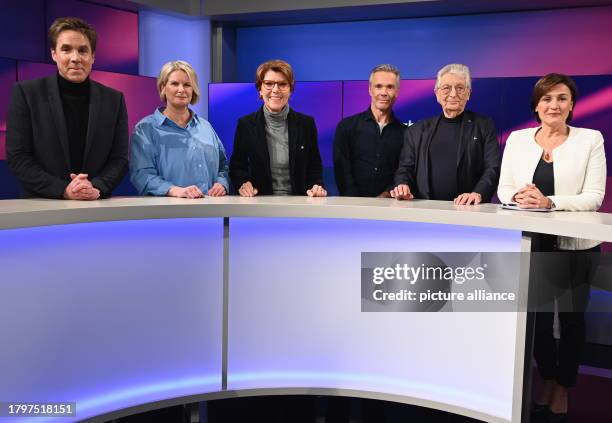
(453, 156)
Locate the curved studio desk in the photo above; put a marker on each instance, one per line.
(130, 304)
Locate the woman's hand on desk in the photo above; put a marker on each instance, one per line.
(217, 190)
(247, 190)
(530, 197)
(191, 191)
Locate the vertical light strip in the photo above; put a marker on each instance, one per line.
(522, 370)
(224, 339)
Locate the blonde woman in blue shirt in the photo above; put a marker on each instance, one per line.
(175, 152)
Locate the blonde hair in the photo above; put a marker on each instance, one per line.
(168, 68)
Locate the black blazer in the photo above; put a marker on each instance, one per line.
(478, 157)
(250, 159)
(37, 149)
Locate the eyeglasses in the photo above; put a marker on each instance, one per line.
(447, 89)
(282, 85)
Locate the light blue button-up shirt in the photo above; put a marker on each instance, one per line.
(165, 155)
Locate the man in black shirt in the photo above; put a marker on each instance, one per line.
(67, 136)
(367, 145)
(453, 156)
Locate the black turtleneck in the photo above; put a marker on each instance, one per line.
(443, 159)
(75, 102)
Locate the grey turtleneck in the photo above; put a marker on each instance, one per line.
(277, 137)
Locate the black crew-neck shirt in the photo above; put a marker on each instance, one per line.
(443, 159)
(544, 178)
(75, 103)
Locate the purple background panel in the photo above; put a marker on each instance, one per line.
(592, 109)
(530, 43)
(140, 92)
(117, 49)
(28, 70)
(22, 30)
(8, 76)
(607, 202)
(2, 145)
(321, 100)
(516, 100)
(417, 100)
(9, 188)
(227, 103)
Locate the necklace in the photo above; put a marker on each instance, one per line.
(547, 156)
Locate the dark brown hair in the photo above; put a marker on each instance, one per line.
(545, 84)
(279, 66)
(75, 24)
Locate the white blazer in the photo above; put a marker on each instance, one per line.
(579, 168)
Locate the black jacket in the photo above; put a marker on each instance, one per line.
(37, 148)
(478, 157)
(250, 159)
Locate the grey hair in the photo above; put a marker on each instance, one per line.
(386, 68)
(457, 69)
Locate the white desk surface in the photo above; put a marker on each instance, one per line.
(43, 212)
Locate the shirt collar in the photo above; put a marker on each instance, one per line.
(370, 116)
(160, 118)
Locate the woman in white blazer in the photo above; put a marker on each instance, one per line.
(559, 167)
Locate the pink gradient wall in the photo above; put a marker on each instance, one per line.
(140, 92)
(2, 145)
(117, 46)
(8, 75)
(573, 41)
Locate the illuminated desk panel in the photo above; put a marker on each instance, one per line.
(125, 312)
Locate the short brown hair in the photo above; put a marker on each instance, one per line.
(168, 68)
(279, 66)
(75, 24)
(545, 84)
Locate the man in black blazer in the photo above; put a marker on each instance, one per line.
(67, 136)
(454, 156)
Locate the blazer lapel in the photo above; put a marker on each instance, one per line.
(465, 134)
(431, 133)
(424, 157)
(94, 110)
(261, 140)
(59, 120)
(293, 142)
